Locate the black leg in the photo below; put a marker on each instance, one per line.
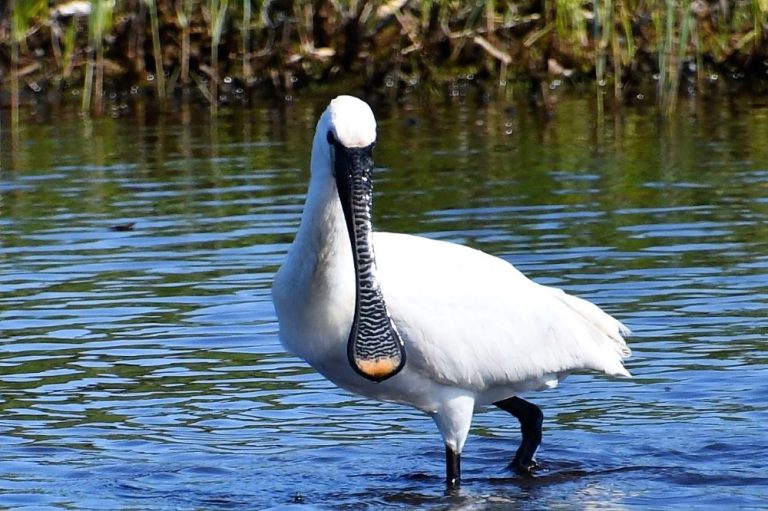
(530, 418)
(452, 468)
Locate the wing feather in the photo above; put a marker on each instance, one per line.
(473, 320)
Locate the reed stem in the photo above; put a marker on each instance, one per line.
(85, 104)
(218, 11)
(99, 22)
(14, 82)
(183, 13)
(157, 51)
(245, 35)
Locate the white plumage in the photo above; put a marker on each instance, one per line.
(475, 330)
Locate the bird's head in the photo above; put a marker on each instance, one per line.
(343, 152)
(351, 122)
(346, 128)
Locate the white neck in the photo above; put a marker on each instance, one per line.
(322, 250)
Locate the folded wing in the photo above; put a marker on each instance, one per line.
(474, 321)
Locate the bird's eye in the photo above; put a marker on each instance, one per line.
(331, 138)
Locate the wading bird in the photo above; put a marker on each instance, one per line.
(434, 325)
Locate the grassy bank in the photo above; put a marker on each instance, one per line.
(221, 51)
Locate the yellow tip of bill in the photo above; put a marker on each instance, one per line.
(378, 368)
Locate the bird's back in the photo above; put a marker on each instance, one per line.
(474, 321)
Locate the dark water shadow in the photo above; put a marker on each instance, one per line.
(561, 472)
(420, 490)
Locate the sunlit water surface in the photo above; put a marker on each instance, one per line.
(140, 366)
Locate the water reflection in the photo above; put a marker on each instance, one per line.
(140, 367)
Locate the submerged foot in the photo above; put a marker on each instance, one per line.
(524, 469)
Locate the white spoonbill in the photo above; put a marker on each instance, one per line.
(434, 325)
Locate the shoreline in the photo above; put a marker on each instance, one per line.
(222, 53)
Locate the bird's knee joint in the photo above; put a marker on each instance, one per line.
(538, 417)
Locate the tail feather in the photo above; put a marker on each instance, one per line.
(613, 331)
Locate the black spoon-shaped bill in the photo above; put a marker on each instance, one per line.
(375, 348)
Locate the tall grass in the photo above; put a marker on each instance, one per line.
(99, 22)
(183, 14)
(217, 12)
(377, 44)
(23, 13)
(157, 51)
(70, 46)
(17, 35)
(245, 36)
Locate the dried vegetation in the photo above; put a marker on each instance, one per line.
(221, 51)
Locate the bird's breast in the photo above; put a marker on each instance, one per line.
(314, 297)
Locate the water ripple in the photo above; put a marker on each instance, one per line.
(141, 368)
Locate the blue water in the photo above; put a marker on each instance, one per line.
(140, 367)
